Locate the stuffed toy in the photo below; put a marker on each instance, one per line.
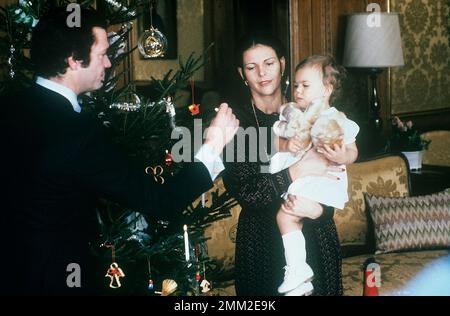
(310, 126)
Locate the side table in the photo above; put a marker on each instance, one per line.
(429, 179)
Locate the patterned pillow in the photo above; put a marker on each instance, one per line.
(410, 223)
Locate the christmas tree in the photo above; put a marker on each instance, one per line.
(148, 250)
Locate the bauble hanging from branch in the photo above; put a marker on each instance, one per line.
(152, 43)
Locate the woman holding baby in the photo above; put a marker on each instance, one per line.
(259, 245)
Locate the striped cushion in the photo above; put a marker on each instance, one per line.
(410, 223)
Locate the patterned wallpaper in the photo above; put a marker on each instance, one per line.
(424, 82)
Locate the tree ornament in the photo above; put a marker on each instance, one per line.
(152, 43)
(114, 272)
(130, 102)
(194, 108)
(157, 173)
(168, 159)
(170, 108)
(206, 286)
(168, 287)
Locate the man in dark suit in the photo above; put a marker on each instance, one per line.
(58, 162)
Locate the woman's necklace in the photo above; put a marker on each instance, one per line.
(254, 113)
(259, 130)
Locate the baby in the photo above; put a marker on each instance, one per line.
(310, 123)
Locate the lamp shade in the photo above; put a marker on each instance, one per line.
(373, 41)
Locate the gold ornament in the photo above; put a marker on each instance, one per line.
(168, 287)
(152, 43)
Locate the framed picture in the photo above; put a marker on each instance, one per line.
(162, 15)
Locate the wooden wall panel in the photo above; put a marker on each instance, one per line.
(219, 31)
(318, 26)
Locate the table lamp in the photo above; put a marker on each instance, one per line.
(373, 41)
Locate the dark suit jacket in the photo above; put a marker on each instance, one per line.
(57, 164)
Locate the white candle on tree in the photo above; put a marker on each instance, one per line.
(186, 243)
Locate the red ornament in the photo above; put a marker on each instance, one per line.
(168, 159)
(197, 276)
(194, 109)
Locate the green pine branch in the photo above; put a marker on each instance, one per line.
(171, 83)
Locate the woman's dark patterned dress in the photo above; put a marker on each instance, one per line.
(259, 248)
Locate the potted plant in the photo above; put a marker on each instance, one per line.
(406, 139)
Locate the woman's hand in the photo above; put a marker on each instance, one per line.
(313, 164)
(302, 207)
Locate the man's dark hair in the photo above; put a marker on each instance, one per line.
(258, 38)
(53, 40)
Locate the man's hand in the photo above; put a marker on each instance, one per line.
(222, 129)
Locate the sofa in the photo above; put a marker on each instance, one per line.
(438, 153)
(387, 176)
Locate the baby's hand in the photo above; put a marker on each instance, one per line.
(336, 153)
(294, 145)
